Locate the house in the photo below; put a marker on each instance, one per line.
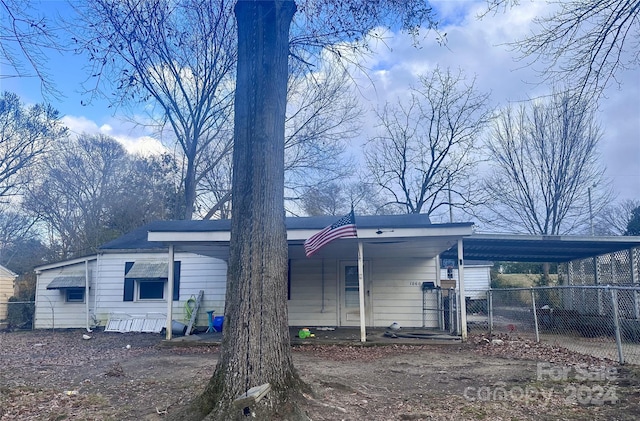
(130, 277)
(7, 279)
(129, 283)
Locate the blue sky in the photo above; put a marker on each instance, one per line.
(473, 46)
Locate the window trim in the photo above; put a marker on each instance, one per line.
(138, 289)
(131, 286)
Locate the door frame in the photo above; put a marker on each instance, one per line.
(351, 317)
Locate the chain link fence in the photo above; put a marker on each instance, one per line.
(598, 320)
(17, 314)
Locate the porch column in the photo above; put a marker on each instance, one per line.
(463, 303)
(363, 329)
(170, 294)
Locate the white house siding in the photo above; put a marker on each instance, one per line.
(308, 305)
(477, 280)
(196, 273)
(396, 292)
(394, 285)
(52, 310)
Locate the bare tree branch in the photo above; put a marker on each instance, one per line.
(26, 36)
(583, 44)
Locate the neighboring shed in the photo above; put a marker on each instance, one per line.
(477, 277)
(7, 279)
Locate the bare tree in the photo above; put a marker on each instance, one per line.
(15, 228)
(179, 54)
(337, 198)
(90, 191)
(214, 195)
(583, 44)
(151, 192)
(613, 219)
(544, 164)
(25, 135)
(78, 181)
(322, 116)
(426, 147)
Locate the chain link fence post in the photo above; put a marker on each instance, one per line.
(535, 314)
(490, 311)
(616, 322)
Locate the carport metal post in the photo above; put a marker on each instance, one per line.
(463, 304)
(170, 276)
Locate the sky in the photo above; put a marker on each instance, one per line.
(475, 46)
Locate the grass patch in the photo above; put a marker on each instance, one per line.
(519, 280)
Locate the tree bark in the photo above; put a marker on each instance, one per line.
(256, 344)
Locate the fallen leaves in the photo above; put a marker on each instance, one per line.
(507, 346)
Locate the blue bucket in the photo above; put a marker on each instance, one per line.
(218, 321)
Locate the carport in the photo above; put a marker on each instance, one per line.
(551, 249)
(539, 248)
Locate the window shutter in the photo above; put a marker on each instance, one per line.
(128, 283)
(176, 281)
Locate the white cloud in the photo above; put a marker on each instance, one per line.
(141, 145)
(134, 139)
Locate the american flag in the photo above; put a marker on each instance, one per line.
(344, 227)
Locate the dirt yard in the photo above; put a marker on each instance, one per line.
(112, 376)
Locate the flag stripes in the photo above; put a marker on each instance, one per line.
(343, 228)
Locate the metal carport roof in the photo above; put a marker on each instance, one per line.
(538, 248)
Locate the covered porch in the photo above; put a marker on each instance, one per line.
(365, 282)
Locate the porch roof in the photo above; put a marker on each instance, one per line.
(382, 236)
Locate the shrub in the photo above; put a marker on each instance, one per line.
(19, 313)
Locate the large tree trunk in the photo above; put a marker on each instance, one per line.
(256, 343)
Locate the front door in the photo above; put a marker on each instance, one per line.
(350, 293)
